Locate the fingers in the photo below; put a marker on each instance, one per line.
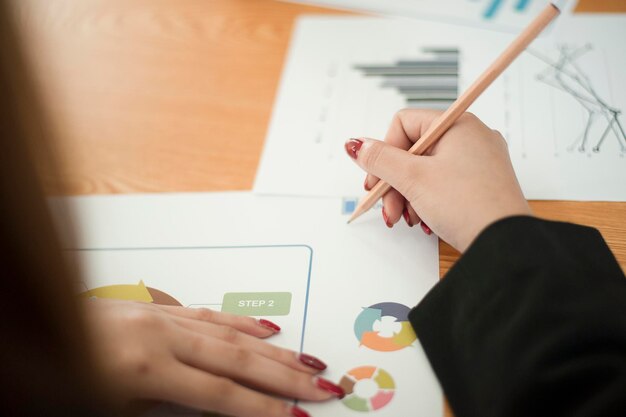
(407, 126)
(252, 369)
(295, 360)
(370, 182)
(400, 169)
(410, 216)
(396, 207)
(397, 134)
(393, 206)
(395, 166)
(194, 388)
(258, 328)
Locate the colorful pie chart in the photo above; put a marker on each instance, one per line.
(132, 292)
(367, 388)
(384, 327)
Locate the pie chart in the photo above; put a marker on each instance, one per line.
(384, 327)
(132, 292)
(367, 388)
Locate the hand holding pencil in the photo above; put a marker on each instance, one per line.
(464, 183)
(437, 128)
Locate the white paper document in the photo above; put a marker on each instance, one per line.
(560, 105)
(503, 15)
(339, 292)
(564, 105)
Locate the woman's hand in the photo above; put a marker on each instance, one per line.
(202, 359)
(464, 183)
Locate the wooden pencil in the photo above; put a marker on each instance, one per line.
(460, 106)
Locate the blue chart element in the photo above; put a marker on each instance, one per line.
(348, 205)
(495, 6)
(522, 5)
(492, 9)
(366, 321)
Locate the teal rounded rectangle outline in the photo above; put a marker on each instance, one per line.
(308, 280)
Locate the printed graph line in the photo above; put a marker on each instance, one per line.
(566, 75)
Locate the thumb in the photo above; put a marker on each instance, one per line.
(393, 165)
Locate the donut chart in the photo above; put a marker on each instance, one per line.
(367, 388)
(369, 327)
(137, 292)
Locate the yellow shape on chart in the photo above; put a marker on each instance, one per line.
(384, 380)
(129, 292)
(406, 336)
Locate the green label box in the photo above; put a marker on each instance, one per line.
(257, 303)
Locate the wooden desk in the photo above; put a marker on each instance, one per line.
(176, 95)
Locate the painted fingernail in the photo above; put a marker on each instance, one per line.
(386, 219)
(328, 386)
(298, 412)
(367, 187)
(311, 361)
(269, 325)
(407, 217)
(426, 229)
(353, 146)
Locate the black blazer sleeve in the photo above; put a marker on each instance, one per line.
(531, 321)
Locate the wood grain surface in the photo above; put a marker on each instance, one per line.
(176, 95)
(601, 6)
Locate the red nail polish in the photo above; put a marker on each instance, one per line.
(407, 217)
(367, 187)
(426, 229)
(298, 412)
(269, 325)
(326, 385)
(353, 146)
(311, 361)
(386, 219)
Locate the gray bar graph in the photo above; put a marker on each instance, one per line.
(431, 82)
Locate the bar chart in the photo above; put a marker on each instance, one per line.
(431, 82)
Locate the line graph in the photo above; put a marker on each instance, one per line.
(566, 75)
